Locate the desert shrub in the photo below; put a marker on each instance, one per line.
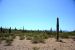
(5, 34)
(44, 36)
(3, 38)
(35, 48)
(0, 40)
(54, 49)
(71, 34)
(29, 38)
(29, 34)
(18, 33)
(9, 41)
(13, 36)
(72, 37)
(38, 39)
(22, 37)
(64, 35)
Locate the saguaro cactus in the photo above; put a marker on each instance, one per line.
(15, 29)
(51, 30)
(10, 30)
(57, 29)
(23, 29)
(1, 29)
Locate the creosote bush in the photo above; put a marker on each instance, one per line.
(38, 39)
(22, 37)
(35, 48)
(29, 38)
(9, 41)
(64, 35)
(0, 40)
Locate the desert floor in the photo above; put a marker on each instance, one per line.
(51, 44)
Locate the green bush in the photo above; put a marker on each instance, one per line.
(9, 41)
(64, 35)
(29, 38)
(45, 36)
(38, 39)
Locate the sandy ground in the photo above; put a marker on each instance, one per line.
(51, 44)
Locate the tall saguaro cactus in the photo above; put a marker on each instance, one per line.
(1, 29)
(15, 29)
(57, 26)
(10, 30)
(23, 29)
(51, 30)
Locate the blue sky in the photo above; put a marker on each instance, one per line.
(37, 14)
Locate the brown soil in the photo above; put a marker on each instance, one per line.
(51, 44)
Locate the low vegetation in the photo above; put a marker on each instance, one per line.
(36, 36)
(35, 48)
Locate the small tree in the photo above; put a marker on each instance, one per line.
(57, 29)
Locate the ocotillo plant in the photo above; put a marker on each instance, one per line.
(57, 29)
(10, 30)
